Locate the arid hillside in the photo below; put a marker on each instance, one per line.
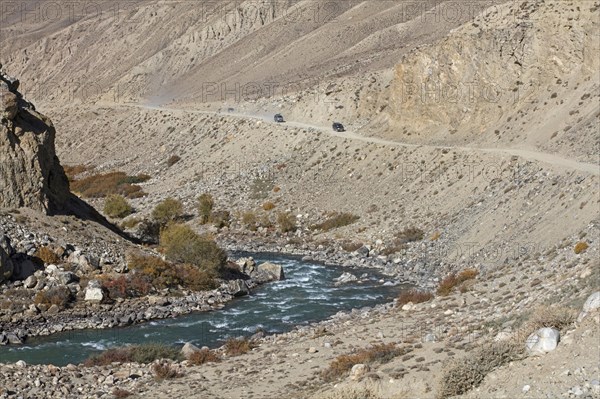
(211, 52)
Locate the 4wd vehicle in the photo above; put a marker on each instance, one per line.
(338, 127)
(279, 118)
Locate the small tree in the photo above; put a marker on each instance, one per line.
(181, 244)
(116, 206)
(205, 207)
(169, 210)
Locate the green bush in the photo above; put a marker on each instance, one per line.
(206, 204)
(170, 210)
(286, 222)
(181, 244)
(116, 206)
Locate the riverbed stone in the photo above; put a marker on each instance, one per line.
(237, 288)
(345, 278)
(273, 271)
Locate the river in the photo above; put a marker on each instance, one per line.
(308, 294)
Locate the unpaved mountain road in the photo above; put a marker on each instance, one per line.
(525, 153)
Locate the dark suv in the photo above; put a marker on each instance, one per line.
(279, 118)
(338, 127)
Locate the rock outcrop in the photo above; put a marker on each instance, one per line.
(30, 172)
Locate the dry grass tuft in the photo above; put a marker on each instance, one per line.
(580, 247)
(335, 221)
(382, 353)
(453, 280)
(461, 375)
(165, 371)
(203, 356)
(47, 255)
(102, 185)
(414, 296)
(238, 346)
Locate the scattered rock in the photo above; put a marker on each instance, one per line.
(358, 371)
(592, 303)
(543, 341)
(94, 292)
(345, 278)
(189, 349)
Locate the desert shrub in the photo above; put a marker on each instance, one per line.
(120, 393)
(351, 246)
(203, 356)
(580, 247)
(47, 255)
(132, 285)
(144, 353)
(382, 353)
(447, 285)
(101, 185)
(182, 245)
(461, 375)
(59, 296)
(414, 296)
(452, 280)
(116, 206)
(250, 220)
(173, 159)
(147, 353)
(267, 206)
(194, 278)
(206, 204)
(238, 346)
(165, 371)
(554, 317)
(162, 274)
(286, 222)
(120, 355)
(467, 274)
(410, 234)
(220, 219)
(335, 221)
(169, 210)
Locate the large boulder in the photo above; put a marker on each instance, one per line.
(543, 341)
(189, 349)
(271, 271)
(30, 173)
(94, 292)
